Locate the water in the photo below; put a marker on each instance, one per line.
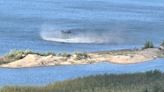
(95, 25)
(46, 75)
(109, 24)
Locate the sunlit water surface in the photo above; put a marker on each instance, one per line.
(46, 75)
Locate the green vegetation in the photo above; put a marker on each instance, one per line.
(65, 55)
(162, 43)
(148, 44)
(19, 54)
(80, 56)
(152, 81)
(14, 55)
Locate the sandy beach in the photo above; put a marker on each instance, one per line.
(125, 56)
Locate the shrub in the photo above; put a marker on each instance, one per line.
(162, 43)
(137, 82)
(17, 54)
(65, 55)
(46, 54)
(80, 56)
(14, 55)
(148, 44)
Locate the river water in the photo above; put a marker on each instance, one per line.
(46, 75)
(100, 24)
(94, 25)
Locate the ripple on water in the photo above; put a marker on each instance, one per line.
(45, 75)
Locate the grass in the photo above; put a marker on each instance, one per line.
(162, 43)
(151, 81)
(65, 55)
(148, 44)
(18, 54)
(80, 56)
(14, 55)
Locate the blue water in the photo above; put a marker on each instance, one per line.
(110, 24)
(46, 75)
(121, 24)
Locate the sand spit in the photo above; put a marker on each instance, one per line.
(118, 56)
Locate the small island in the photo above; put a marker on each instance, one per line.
(27, 58)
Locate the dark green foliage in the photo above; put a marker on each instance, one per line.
(65, 55)
(14, 55)
(80, 56)
(45, 54)
(152, 81)
(162, 43)
(19, 54)
(148, 44)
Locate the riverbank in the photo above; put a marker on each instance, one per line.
(20, 59)
(151, 81)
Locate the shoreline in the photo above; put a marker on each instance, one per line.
(27, 59)
(71, 65)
